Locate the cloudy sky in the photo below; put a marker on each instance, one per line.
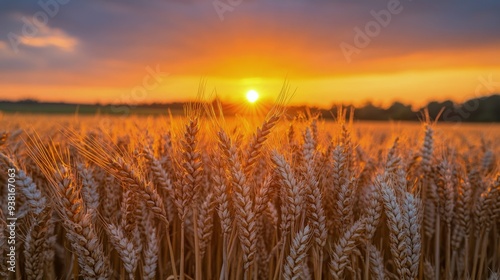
(330, 51)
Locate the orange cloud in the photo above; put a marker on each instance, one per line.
(52, 37)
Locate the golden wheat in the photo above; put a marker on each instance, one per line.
(204, 197)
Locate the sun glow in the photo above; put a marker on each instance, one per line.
(252, 96)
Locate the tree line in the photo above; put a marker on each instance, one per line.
(481, 109)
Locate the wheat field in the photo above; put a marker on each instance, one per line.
(271, 197)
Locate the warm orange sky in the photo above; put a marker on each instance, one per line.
(106, 51)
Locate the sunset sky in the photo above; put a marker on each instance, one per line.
(330, 51)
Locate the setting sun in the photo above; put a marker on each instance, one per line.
(252, 96)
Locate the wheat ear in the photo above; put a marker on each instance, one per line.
(245, 212)
(35, 244)
(291, 191)
(412, 220)
(377, 267)
(255, 146)
(152, 250)
(145, 190)
(298, 254)
(344, 247)
(125, 249)
(398, 233)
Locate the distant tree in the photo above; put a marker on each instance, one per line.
(400, 111)
(486, 109)
(370, 112)
(28, 101)
(435, 108)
